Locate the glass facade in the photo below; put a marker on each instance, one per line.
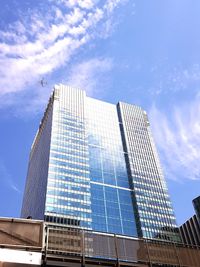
(68, 197)
(112, 207)
(154, 213)
(102, 170)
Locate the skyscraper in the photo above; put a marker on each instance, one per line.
(94, 165)
(196, 204)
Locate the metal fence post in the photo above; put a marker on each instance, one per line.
(116, 251)
(45, 243)
(83, 247)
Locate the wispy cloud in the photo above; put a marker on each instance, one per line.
(177, 136)
(174, 79)
(7, 179)
(88, 74)
(39, 44)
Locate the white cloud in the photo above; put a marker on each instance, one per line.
(174, 79)
(87, 75)
(36, 46)
(177, 136)
(184, 78)
(88, 4)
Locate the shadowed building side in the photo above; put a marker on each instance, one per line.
(190, 230)
(36, 183)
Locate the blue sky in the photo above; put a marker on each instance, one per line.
(137, 51)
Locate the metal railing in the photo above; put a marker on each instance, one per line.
(64, 243)
(90, 245)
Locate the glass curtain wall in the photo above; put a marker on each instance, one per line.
(68, 189)
(112, 207)
(155, 216)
